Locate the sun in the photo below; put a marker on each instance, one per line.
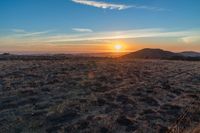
(118, 47)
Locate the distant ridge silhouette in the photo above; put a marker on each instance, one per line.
(148, 53)
(190, 54)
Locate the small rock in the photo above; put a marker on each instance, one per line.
(100, 102)
(104, 130)
(83, 124)
(124, 121)
(66, 116)
(124, 99)
(131, 128)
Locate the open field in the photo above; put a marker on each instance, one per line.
(90, 95)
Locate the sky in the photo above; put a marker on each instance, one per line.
(68, 26)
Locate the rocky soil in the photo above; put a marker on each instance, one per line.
(97, 95)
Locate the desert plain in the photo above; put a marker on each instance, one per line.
(98, 95)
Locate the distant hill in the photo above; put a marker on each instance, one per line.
(7, 56)
(106, 54)
(190, 54)
(148, 53)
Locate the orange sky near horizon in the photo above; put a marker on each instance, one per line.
(97, 48)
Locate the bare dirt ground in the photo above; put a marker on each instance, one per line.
(97, 95)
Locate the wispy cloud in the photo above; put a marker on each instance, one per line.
(128, 34)
(42, 37)
(103, 5)
(106, 5)
(149, 8)
(34, 33)
(191, 39)
(24, 33)
(82, 30)
(18, 30)
(21, 36)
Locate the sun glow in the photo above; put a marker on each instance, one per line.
(118, 47)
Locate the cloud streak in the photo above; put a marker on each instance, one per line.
(191, 39)
(18, 30)
(24, 33)
(128, 34)
(103, 5)
(149, 8)
(42, 37)
(82, 30)
(106, 5)
(33, 34)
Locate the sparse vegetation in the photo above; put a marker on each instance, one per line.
(96, 95)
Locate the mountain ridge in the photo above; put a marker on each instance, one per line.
(190, 53)
(156, 53)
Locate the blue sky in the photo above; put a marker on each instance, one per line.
(59, 23)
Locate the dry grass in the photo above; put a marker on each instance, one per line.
(96, 95)
(193, 130)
